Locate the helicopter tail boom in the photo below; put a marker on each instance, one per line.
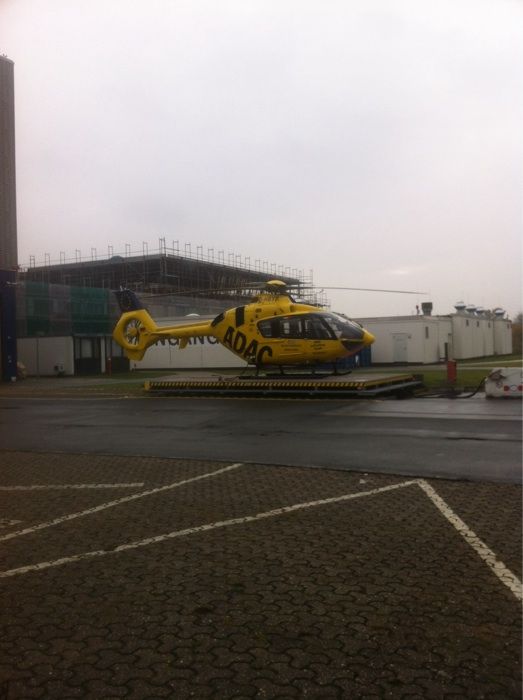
(136, 331)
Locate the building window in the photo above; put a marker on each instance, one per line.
(477, 324)
(467, 322)
(426, 331)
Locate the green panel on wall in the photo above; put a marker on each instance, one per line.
(90, 311)
(60, 309)
(37, 308)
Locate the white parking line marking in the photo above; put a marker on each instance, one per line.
(486, 554)
(495, 565)
(51, 487)
(201, 528)
(118, 501)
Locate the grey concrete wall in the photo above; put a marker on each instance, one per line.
(8, 239)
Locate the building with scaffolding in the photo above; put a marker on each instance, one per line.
(168, 270)
(66, 309)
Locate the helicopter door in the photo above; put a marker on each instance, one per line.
(285, 333)
(290, 333)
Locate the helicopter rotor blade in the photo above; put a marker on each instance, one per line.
(193, 292)
(319, 287)
(254, 287)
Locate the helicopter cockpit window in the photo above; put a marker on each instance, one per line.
(343, 327)
(315, 329)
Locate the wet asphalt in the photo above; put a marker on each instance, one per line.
(473, 439)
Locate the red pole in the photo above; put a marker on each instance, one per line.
(452, 371)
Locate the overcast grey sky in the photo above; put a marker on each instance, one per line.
(378, 143)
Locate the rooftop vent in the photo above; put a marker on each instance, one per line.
(460, 306)
(471, 308)
(426, 308)
(499, 313)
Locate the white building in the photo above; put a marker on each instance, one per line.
(56, 356)
(406, 339)
(199, 353)
(426, 339)
(502, 336)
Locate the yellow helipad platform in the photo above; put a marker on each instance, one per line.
(334, 386)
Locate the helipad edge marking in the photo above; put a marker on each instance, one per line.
(495, 565)
(118, 501)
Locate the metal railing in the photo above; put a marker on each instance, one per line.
(187, 251)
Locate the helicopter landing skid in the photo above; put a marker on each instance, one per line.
(295, 372)
(301, 375)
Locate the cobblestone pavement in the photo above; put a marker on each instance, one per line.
(112, 587)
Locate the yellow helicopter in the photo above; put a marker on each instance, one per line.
(273, 329)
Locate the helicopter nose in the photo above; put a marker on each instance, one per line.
(368, 338)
